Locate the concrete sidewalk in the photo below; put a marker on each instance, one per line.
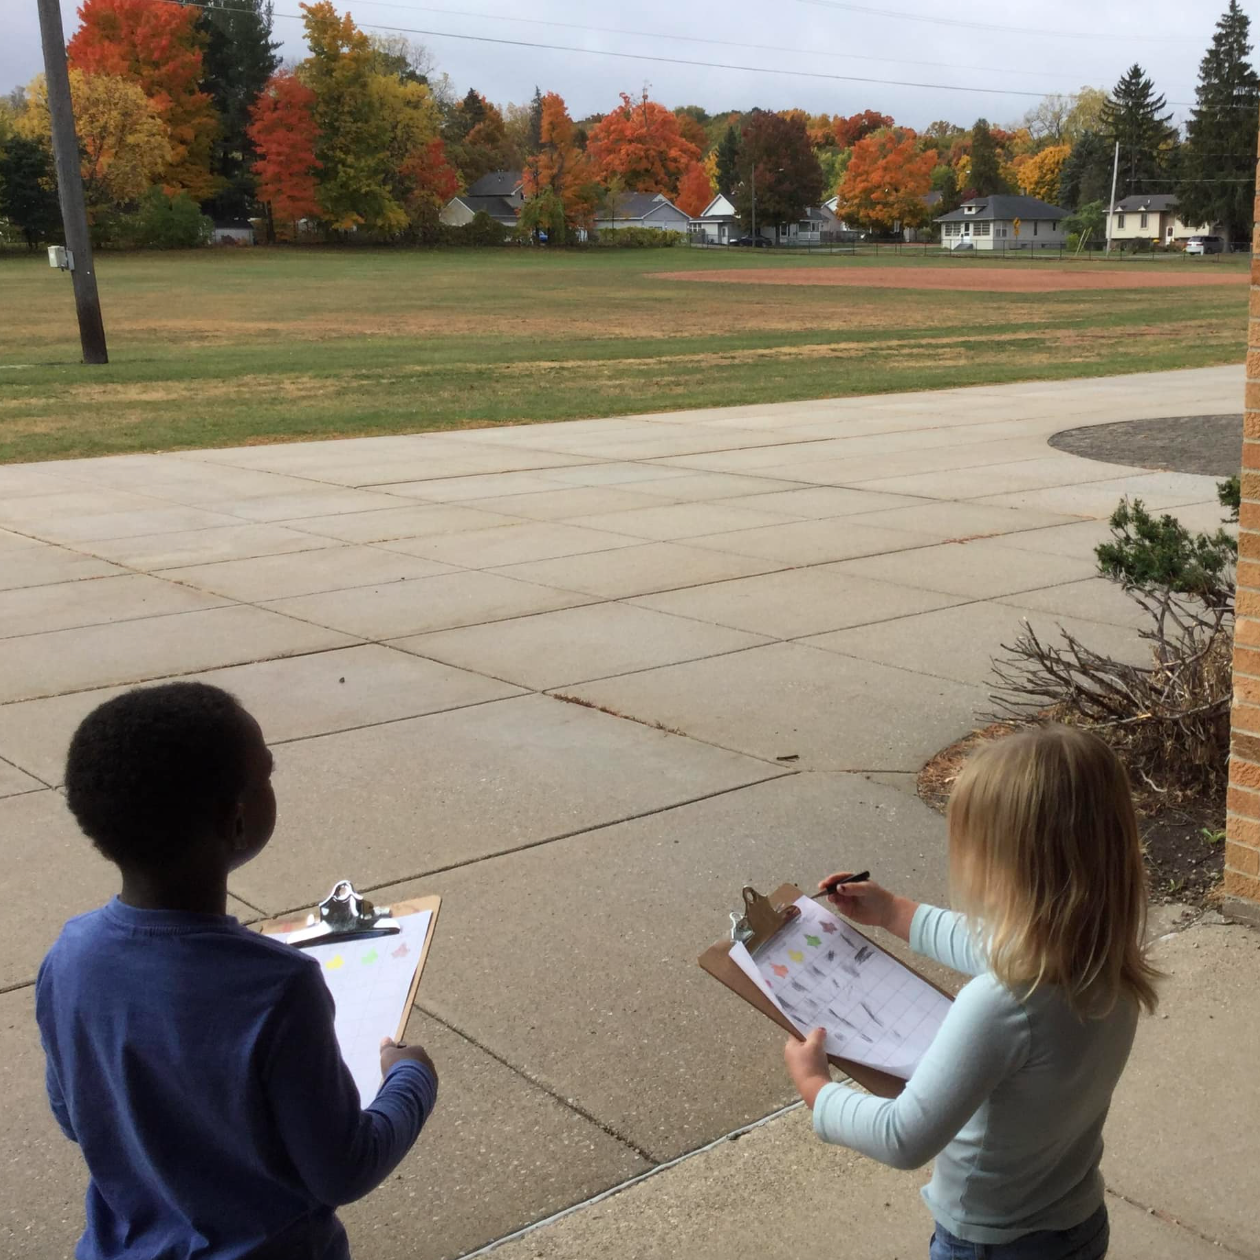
(1181, 1167)
(584, 680)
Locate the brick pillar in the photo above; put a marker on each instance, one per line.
(1242, 845)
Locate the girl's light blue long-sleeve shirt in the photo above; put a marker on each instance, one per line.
(1010, 1100)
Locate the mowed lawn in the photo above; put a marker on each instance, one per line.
(226, 347)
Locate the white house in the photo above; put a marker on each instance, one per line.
(1153, 217)
(1003, 222)
(642, 210)
(499, 194)
(718, 224)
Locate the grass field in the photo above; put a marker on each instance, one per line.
(227, 347)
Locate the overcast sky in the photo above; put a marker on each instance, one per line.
(1054, 46)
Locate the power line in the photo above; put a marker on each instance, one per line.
(650, 57)
(700, 39)
(902, 16)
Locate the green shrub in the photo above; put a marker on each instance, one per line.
(638, 238)
(164, 222)
(483, 230)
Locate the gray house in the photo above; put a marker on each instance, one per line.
(1003, 222)
(642, 210)
(499, 194)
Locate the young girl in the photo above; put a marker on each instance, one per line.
(1012, 1095)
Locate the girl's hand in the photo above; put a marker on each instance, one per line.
(807, 1065)
(867, 903)
(871, 905)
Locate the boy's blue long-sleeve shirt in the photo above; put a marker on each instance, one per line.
(194, 1063)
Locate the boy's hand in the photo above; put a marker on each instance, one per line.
(395, 1052)
(807, 1064)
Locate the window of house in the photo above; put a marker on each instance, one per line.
(982, 229)
(1142, 220)
(1120, 220)
(1035, 227)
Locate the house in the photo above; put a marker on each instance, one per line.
(499, 194)
(642, 210)
(233, 232)
(1003, 222)
(1153, 217)
(718, 224)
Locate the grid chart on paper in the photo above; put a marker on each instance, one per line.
(874, 1010)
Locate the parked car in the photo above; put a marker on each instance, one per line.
(1205, 245)
(757, 242)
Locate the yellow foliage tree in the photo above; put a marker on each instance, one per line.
(122, 138)
(711, 170)
(1039, 176)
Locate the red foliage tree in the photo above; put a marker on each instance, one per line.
(560, 173)
(642, 143)
(694, 190)
(158, 47)
(283, 129)
(858, 126)
(430, 182)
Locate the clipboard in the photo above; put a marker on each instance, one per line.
(762, 918)
(360, 933)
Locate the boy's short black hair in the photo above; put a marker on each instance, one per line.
(153, 765)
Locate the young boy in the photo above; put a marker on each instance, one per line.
(194, 1061)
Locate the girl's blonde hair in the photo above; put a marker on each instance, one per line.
(1045, 858)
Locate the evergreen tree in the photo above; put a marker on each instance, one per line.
(1219, 158)
(238, 59)
(28, 197)
(728, 160)
(535, 121)
(1133, 115)
(985, 178)
(1086, 174)
(945, 182)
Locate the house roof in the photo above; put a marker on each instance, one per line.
(1002, 206)
(813, 214)
(932, 198)
(1159, 202)
(496, 184)
(496, 207)
(638, 205)
(719, 208)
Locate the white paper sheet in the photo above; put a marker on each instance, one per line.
(369, 980)
(821, 974)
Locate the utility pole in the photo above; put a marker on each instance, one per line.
(1111, 209)
(753, 173)
(70, 184)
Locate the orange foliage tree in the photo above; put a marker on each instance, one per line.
(560, 174)
(158, 47)
(886, 180)
(429, 182)
(858, 126)
(694, 190)
(283, 129)
(641, 143)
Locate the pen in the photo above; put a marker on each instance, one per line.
(860, 878)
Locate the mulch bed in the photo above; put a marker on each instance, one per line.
(1208, 445)
(1185, 857)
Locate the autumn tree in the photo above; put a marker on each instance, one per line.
(691, 120)
(427, 181)
(886, 182)
(643, 143)
(1134, 117)
(1218, 184)
(283, 134)
(694, 190)
(1085, 176)
(778, 167)
(558, 181)
(157, 47)
(28, 189)
(238, 59)
(476, 138)
(123, 145)
(1040, 175)
(944, 180)
(857, 127)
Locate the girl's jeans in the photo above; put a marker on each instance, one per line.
(1086, 1241)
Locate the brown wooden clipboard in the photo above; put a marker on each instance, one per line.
(716, 960)
(398, 910)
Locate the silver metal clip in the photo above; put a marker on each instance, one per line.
(344, 915)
